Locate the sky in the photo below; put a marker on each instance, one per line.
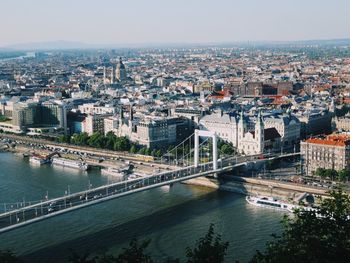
(172, 21)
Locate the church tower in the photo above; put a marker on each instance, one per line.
(104, 75)
(332, 107)
(112, 76)
(121, 115)
(241, 131)
(120, 71)
(259, 134)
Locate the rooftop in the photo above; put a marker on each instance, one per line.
(332, 140)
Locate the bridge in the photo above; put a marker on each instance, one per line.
(30, 212)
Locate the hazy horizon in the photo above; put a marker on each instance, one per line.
(138, 22)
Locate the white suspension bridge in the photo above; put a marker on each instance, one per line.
(187, 162)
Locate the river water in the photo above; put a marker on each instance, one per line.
(173, 218)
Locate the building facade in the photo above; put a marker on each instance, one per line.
(341, 123)
(94, 123)
(332, 152)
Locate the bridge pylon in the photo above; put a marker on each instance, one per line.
(201, 133)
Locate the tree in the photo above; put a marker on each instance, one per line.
(8, 257)
(64, 139)
(3, 118)
(80, 139)
(96, 140)
(322, 235)
(226, 148)
(142, 150)
(148, 151)
(320, 172)
(135, 253)
(153, 153)
(110, 140)
(122, 144)
(209, 249)
(76, 258)
(133, 149)
(159, 153)
(343, 175)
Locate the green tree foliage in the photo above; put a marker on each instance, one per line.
(3, 118)
(320, 172)
(80, 139)
(122, 144)
(135, 253)
(96, 140)
(227, 149)
(148, 151)
(343, 175)
(76, 258)
(209, 248)
(330, 173)
(142, 150)
(133, 149)
(64, 139)
(159, 153)
(110, 140)
(321, 236)
(8, 257)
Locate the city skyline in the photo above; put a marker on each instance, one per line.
(155, 22)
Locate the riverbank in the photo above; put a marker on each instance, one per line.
(241, 185)
(255, 186)
(93, 159)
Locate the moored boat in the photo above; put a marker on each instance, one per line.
(77, 164)
(112, 171)
(271, 202)
(38, 160)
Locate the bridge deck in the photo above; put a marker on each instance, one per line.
(43, 210)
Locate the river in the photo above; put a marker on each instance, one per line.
(173, 218)
(16, 57)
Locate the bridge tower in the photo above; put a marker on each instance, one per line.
(259, 133)
(201, 133)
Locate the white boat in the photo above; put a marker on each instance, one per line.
(112, 171)
(38, 160)
(70, 163)
(271, 202)
(136, 176)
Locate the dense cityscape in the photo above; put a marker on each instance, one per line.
(127, 112)
(155, 98)
(188, 131)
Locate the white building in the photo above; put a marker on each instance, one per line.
(224, 125)
(247, 138)
(251, 142)
(94, 123)
(111, 124)
(92, 108)
(287, 126)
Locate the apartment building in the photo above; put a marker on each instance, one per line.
(332, 152)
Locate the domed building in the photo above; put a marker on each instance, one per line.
(120, 72)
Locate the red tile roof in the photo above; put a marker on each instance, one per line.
(332, 140)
